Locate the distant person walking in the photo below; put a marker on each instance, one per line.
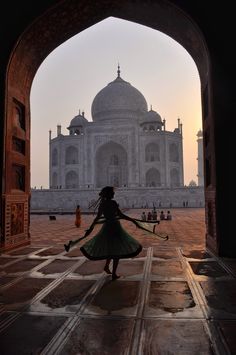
(78, 216)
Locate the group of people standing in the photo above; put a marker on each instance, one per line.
(153, 216)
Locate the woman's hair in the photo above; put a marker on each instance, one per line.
(106, 193)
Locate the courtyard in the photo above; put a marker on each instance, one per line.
(175, 297)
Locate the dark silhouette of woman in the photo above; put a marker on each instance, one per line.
(112, 242)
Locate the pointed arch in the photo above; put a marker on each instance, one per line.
(153, 178)
(152, 152)
(111, 162)
(72, 180)
(71, 155)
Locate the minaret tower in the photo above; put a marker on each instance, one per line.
(200, 158)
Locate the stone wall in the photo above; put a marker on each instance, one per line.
(66, 200)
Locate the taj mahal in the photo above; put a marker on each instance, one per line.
(126, 146)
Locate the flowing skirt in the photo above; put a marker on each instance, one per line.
(112, 241)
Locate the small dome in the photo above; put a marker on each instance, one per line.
(152, 116)
(119, 99)
(78, 121)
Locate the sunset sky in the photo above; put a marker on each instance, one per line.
(72, 75)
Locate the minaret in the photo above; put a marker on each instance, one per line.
(58, 130)
(200, 158)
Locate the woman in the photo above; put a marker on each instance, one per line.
(78, 216)
(112, 242)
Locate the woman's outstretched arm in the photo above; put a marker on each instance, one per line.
(124, 216)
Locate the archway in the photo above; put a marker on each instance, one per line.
(55, 26)
(152, 152)
(153, 178)
(72, 180)
(71, 155)
(111, 165)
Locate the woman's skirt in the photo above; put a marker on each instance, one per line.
(113, 242)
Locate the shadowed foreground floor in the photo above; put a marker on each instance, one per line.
(176, 297)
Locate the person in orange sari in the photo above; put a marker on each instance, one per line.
(78, 216)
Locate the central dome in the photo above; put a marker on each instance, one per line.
(119, 99)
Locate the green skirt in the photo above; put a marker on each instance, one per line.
(111, 242)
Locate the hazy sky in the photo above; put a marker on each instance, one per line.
(72, 75)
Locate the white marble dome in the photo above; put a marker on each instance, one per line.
(78, 121)
(152, 116)
(119, 99)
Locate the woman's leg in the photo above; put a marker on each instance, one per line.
(115, 264)
(106, 267)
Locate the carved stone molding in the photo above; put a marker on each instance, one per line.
(103, 139)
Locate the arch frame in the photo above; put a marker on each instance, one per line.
(39, 31)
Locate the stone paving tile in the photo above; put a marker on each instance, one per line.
(207, 268)
(165, 253)
(57, 266)
(171, 297)
(23, 251)
(51, 251)
(4, 261)
(120, 297)
(220, 297)
(196, 254)
(67, 294)
(29, 334)
(168, 268)
(177, 337)
(231, 264)
(22, 292)
(90, 268)
(127, 268)
(4, 280)
(142, 254)
(228, 329)
(22, 266)
(4, 316)
(100, 336)
(74, 253)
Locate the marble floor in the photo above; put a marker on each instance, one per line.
(175, 297)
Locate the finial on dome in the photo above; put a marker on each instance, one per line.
(118, 71)
(79, 111)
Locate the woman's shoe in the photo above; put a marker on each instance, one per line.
(115, 277)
